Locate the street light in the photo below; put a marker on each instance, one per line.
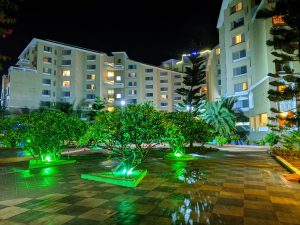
(123, 103)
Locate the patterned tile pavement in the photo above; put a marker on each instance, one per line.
(218, 188)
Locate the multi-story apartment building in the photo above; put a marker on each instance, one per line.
(246, 60)
(48, 72)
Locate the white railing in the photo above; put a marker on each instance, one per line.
(113, 84)
(112, 66)
(24, 69)
(287, 105)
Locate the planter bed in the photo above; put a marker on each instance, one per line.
(122, 180)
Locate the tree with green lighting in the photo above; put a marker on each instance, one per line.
(47, 131)
(195, 78)
(128, 134)
(193, 128)
(97, 108)
(285, 41)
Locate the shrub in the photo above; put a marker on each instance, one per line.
(221, 140)
(271, 138)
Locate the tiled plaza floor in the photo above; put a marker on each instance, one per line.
(222, 188)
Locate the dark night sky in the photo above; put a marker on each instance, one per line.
(149, 31)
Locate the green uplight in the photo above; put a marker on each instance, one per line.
(28, 140)
(124, 171)
(48, 159)
(178, 154)
(129, 171)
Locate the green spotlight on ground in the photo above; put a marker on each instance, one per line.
(178, 154)
(48, 159)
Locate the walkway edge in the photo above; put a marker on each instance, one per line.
(287, 165)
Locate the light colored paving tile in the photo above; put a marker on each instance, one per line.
(52, 197)
(8, 222)
(157, 194)
(254, 221)
(86, 194)
(288, 217)
(8, 212)
(117, 190)
(255, 192)
(127, 198)
(51, 207)
(228, 210)
(257, 204)
(282, 200)
(13, 202)
(226, 194)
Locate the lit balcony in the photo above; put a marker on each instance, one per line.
(112, 66)
(111, 84)
(288, 105)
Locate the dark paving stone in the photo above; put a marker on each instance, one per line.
(32, 203)
(258, 187)
(235, 190)
(230, 202)
(148, 200)
(252, 197)
(265, 214)
(78, 221)
(28, 216)
(71, 199)
(224, 219)
(105, 195)
(74, 210)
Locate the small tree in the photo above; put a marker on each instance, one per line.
(193, 128)
(47, 132)
(220, 118)
(195, 78)
(128, 134)
(97, 109)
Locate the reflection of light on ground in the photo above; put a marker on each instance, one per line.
(200, 156)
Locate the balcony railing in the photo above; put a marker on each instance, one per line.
(287, 105)
(112, 66)
(24, 69)
(110, 84)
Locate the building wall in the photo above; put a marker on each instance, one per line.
(72, 71)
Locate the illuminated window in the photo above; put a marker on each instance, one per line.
(66, 73)
(90, 86)
(218, 51)
(132, 92)
(278, 20)
(252, 122)
(240, 87)
(261, 120)
(239, 38)
(66, 83)
(132, 84)
(110, 92)
(47, 70)
(91, 77)
(118, 96)
(118, 78)
(281, 88)
(164, 96)
(236, 8)
(111, 100)
(47, 60)
(110, 74)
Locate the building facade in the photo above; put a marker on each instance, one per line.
(246, 60)
(48, 72)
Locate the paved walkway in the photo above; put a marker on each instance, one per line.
(217, 188)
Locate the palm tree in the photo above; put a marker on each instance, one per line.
(220, 118)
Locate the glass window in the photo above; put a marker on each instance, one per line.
(46, 92)
(239, 70)
(164, 89)
(149, 95)
(131, 67)
(66, 52)
(177, 83)
(90, 67)
(150, 86)
(261, 120)
(132, 75)
(242, 104)
(163, 81)
(118, 96)
(47, 70)
(177, 98)
(239, 55)
(148, 70)
(236, 8)
(240, 87)
(110, 91)
(163, 74)
(110, 74)
(91, 77)
(47, 49)
(65, 62)
(218, 51)
(149, 78)
(91, 57)
(90, 96)
(132, 92)
(239, 38)
(66, 73)
(90, 87)
(118, 78)
(132, 84)
(164, 96)
(66, 83)
(163, 104)
(47, 60)
(237, 23)
(177, 76)
(46, 82)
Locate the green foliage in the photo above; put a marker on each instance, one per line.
(272, 138)
(129, 134)
(291, 140)
(97, 109)
(220, 118)
(234, 137)
(262, 142)
(196, 76)
(193, 128)
(11, 131)
(48, 130)
(221, 140)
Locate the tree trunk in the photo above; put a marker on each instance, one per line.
(191, 145)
